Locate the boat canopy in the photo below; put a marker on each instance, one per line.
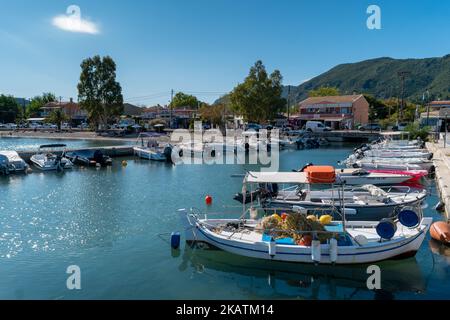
(275, 177)
(52, 146)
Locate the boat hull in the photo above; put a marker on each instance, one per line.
(375, 180)
(149, 155)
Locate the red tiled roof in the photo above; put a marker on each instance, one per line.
(331, 99)
(440, 103)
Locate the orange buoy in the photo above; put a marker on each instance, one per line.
(208, 200)
(440, 231)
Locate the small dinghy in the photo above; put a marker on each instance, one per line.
(88, 157)
(440, 231)
(11, 162)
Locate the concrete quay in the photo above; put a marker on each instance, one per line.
(442, 164)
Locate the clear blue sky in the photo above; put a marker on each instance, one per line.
(206, 46)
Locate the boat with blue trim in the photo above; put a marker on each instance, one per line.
(345, 242)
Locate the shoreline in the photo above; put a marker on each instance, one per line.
(87, 135)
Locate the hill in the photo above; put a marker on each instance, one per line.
(379, 77)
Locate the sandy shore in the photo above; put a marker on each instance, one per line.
(75, 135)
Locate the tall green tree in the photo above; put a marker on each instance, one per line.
(184, 100)
(98, 91)
(324, 92)
(34, 107)
(377, 108)
(215, 114)
(258, 98)
(9, 109)
(57, 116)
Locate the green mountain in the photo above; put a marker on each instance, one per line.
(380, 77)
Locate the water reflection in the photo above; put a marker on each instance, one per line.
(304, 281)
(440, 249)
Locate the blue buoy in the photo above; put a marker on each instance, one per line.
(175, 239)
(409, 218)
(386, 228)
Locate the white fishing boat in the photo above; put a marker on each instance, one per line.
(363, 177)
(397, 154)
(147, 147)
(399, 163)
(358, 176)
(338, 242)
(388, 166)
(11, 162)
(289, 189)
(50, 158)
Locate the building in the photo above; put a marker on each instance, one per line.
(71, 109)
(437, 115)
(180, 117)
(337, 112)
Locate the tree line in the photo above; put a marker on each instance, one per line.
(258, 98)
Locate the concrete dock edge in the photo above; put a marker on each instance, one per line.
(442, 165)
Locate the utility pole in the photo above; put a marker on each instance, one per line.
(402, 75)
(288, 102)
(170, 108)
(445, 133)
(428, 106)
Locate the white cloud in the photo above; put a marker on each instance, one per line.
(73, 22)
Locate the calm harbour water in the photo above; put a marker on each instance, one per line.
(114, 224)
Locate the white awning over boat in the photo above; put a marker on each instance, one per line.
(275, 177)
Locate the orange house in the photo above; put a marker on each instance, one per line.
(337, 112)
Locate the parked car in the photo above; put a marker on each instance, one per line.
(370, 127)
(35, 125)
(49, 126)
(316, 126)
(400, 127)
(253, 126)
(11, 126)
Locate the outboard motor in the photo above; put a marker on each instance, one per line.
(59, 164)
(98, 157)
(168, 153)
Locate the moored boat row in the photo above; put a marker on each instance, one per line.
(322, 215)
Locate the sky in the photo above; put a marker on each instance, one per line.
(204, 47)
